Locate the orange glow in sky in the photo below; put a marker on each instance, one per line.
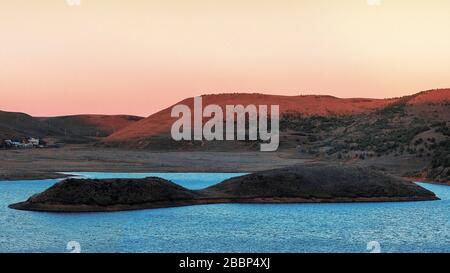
(136, 57)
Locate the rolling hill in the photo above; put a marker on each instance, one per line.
(138, 134)
(19, 125)
(154, 130)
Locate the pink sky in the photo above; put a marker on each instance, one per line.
(136, 57)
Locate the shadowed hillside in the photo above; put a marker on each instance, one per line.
(89, 125)
(20, 125)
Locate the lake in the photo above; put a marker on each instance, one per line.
(397, 227)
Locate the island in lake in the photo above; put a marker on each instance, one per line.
(295, 184)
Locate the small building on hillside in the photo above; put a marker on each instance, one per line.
(35, 142)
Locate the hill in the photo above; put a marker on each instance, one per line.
(141, 133)
(414, 128)
(411, 128)
(156, 128)
(88, 125)
(19, 125)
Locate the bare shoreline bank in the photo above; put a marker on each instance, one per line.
(37, 164)
(50, 163)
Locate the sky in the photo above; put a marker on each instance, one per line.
(137, 57)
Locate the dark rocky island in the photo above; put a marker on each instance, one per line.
(84, 195)
(318, 183)
(298, 184)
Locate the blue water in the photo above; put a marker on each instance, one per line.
(398, 227)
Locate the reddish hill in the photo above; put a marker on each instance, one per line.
(161, 122)
(109, 123)
(436, 96)
(430, 105)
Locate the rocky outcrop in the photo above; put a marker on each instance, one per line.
(81, 195)
(319, 183)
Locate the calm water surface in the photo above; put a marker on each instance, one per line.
(398, 227)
